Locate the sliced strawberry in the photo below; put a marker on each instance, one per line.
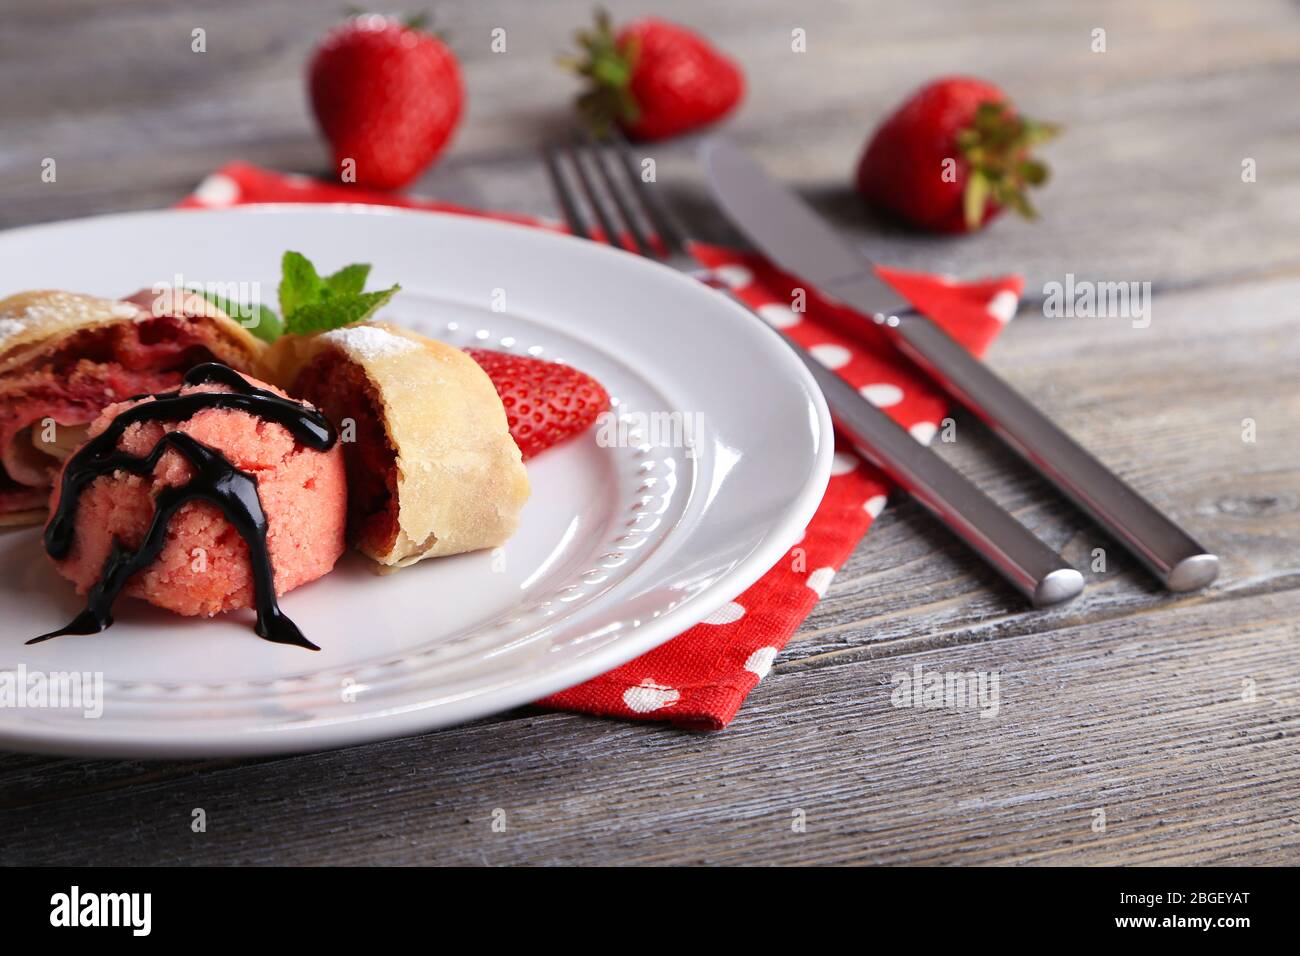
(546, 403)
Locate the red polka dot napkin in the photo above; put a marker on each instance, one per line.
(700, 678)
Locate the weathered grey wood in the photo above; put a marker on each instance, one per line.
(1148, 177)
(1128, 700)
(1149, 725)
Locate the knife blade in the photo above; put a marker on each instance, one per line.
(791, 234)
(782, 225)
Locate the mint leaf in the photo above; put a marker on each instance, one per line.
(299, 283)
(334, 311)
(263, 323)
(349, 280)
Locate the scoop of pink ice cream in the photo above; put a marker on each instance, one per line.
(203, 567)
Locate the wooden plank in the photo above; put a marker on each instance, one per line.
(1141, 717)
(1147, 183)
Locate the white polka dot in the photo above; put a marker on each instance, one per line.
(648, 696)
(760, 662)
(882, 394)
(778, 315)
(832, 356)
(727, 614)
(217, 190)
(1003, 305)
(874, 505)
(843, 463)
(820, 580)
(733, 277)
(924, 432)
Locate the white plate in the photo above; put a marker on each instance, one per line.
(620, 548)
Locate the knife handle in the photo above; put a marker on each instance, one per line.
(1171, 554)
(1032, 568)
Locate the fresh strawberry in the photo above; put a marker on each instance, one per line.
(952, 157)
(545, 402)
(653, 78)
(387, 95)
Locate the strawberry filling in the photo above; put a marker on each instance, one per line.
(70, 386)
(344, 394)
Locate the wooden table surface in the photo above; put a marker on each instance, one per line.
(1175, 716)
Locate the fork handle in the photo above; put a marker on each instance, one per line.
(1032, 568)
(1172, 555)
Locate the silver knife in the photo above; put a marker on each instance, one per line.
(789, 232)
(1032, 568)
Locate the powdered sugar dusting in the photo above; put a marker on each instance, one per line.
(9, 328)
(369, 342)
(63, 305)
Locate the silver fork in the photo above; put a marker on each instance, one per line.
(602, 175)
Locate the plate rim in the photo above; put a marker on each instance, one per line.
(399, 722)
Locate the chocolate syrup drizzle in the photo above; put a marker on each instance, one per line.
(216, 481)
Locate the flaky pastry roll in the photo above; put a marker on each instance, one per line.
(65, 356)
(432, 469)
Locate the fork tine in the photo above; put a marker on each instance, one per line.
(564, 193)
(578, 157)
(669, 229)
(598, 159)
